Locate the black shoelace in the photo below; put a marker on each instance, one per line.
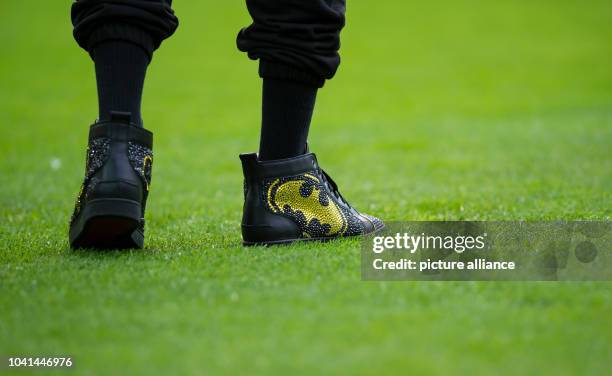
(331, 186)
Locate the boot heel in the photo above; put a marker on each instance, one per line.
(109, 223)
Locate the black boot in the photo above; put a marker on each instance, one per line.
(109, 212)
(294, 199)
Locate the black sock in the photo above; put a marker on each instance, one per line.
(286, 112)
(120, 74)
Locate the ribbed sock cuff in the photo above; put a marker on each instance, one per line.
(121, 32)
(283, 72)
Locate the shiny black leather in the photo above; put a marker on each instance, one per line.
(117, 178)
(115, 186)
(258, 224)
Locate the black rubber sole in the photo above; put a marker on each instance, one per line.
(321, 240)
(108, 224)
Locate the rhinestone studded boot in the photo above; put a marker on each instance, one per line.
(293, 199)
(109, 211)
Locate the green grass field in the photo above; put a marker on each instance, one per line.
(441, 110)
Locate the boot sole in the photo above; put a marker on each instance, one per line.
(108, 224)
(298, 240)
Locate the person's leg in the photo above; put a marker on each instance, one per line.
(297, 44)
(120, 74)
(288, 197)
(285, 118)
(120, 36)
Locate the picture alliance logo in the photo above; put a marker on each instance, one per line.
(413, 243)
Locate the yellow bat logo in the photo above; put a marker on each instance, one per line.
(289, 193)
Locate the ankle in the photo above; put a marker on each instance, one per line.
(286, 114)
(120, 73)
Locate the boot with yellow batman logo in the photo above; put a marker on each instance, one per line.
(293, 199)
(109, 212)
